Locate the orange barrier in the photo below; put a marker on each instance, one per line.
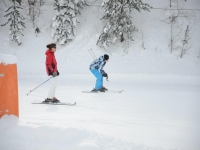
(8, 88)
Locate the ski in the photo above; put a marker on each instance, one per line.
(50, 103)
(109, 91)
(114, 91)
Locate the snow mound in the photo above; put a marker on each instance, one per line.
(89, 145)
(16, 135)
(7, 59)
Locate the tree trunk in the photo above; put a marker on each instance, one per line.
(171, 40)
(122, 10)
(29, 7)
(122, 37)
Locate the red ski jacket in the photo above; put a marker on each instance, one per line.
(51, 63)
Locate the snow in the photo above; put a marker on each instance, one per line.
(153, 112)
(158, 109)
(7, 59)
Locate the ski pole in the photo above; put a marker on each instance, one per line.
(92, 54)
(38, 86)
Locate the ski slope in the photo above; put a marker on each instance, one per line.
(154, 112)
(158, 109)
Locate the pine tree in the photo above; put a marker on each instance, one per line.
(34, 11)
(119, 25)
(64, 23)
(15, 20)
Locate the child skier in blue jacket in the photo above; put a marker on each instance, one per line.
(96, 67)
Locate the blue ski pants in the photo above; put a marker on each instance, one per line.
(99, 78)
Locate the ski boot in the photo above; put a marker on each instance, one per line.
(55, 100)
(47, 100)
(105, 89)
(101, 90)
(94, 90)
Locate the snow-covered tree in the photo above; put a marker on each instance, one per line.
(119, 25)
(34, 10)
(179, 37)
(64, 23)
(15, 20)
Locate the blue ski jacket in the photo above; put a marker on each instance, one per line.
(98, 64)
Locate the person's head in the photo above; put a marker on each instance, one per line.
(52, 47)
(106, 57)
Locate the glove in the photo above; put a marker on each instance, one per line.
(55, 74)
(105, 75)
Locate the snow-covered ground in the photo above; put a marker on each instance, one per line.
(153, 112)
(158, 109)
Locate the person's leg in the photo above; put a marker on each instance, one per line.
(52, 88)
(99, 79)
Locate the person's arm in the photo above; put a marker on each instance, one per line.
(55, 64)
(101, 67)
(49, 62)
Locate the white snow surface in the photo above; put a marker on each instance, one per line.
(158, 109)
(7, 59)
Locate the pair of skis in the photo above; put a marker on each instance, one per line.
(73, 104)
(51, 103)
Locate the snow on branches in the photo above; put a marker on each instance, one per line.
(119, 25)
(15, 20)
(64, 23)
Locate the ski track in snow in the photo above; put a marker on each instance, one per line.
(149, 114)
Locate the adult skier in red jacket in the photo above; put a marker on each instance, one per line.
(51, 68)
